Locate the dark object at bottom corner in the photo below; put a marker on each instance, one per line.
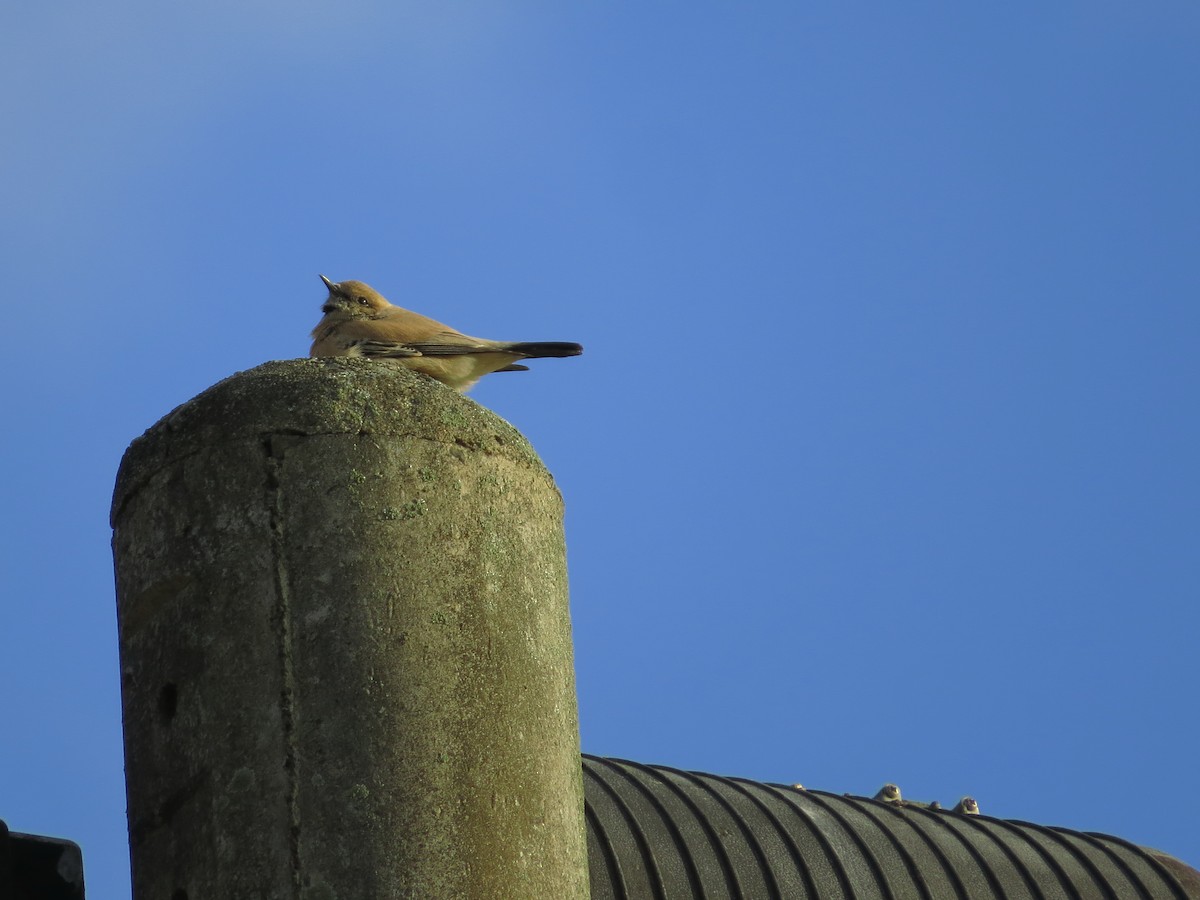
(39, 868)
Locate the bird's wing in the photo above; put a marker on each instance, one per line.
(383, 349)
(400, 333)
(445, 348)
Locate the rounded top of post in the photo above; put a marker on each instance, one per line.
(330, 395)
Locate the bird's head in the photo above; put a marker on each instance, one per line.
(352, 298)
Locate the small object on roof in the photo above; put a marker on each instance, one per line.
(798, 786)
(889, 793)
(967, 806)
(917, 804)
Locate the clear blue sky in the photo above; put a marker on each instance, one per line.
(881, 464)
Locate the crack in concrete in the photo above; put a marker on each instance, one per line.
(275, 452)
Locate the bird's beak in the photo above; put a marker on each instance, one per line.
(329, 284)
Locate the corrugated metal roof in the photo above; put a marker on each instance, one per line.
(661, 833)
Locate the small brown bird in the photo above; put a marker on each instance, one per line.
(360, 322)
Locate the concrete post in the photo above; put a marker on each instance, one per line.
(345, 646)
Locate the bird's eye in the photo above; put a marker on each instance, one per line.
(362, 300)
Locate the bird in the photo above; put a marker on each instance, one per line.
(358, 321)
(889, 793)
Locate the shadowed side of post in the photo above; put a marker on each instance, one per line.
(345, 646)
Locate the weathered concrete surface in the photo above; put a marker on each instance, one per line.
(345, 646)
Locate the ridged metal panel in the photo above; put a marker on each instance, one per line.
(656, 833)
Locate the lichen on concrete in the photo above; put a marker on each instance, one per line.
(321, 396)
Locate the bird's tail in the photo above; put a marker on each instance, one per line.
(536, 349)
